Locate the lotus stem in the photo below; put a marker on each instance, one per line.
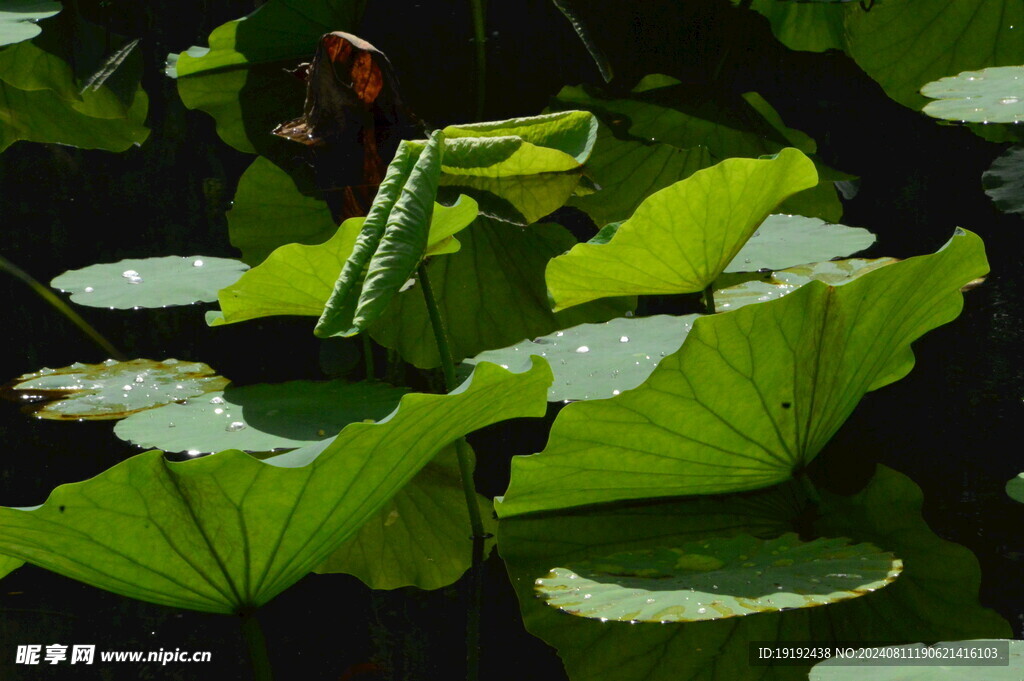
(480, 42)
(256, 643)
(63, 308)
(371, 370)
(709, 298)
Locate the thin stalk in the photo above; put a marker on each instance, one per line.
(809, 488)
(480, 42)
(62, 307)
(709, 299)
(371, 372)
(256, 643)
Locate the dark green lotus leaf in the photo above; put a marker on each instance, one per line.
(520, 200)
(1015, 488)
(271, 208)
(113, 390)
(595, 361)
(807, 26)
(681, 238)
(547, 143)
(753, 394)
(420, 538)
(150, 282)
(260, 418)
(580, 26)
(1004, 181)
(241, 80)
(957, 655)
(226, 533)
(992, 95)
(490, 294)
(298, 280)
(936, 597)
(777, 284)
(717, 578)
(18, 19)
(905, 44)
(783, 241)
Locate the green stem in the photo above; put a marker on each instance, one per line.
(371, 372)
(480, 42)
(62, 307)
(256, 643)
(709, 298)
(809, 488)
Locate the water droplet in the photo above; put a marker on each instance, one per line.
(179, 386)
(234, 426)
(197, 263)
(746, 261)
(623, 339)
(126, 387)
(587, 596)
(171, 425)
(193, 452)
(89, 289)
(615, 392)
(559, 334)
(701, 611)
(139, 378)
(218, 410)
(583, 348)
(1009, 100)
(217, 400)
(629, 313)
(503, 366)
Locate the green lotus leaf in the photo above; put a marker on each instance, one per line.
(682, 237)
(935, 597)
(298, 280)
(420, 537)
(903, 45)
(490, 294)
(1015, 488)
(241, 80)
(596, 361)
(520, 200)
(806, 26)
(786, 240)
(547, 143)
(1004, 181)
(271, 208)
(226, 533)
(260, 418)
(992, 95)
(150, 282)
(718, 578)
(18, 19)
(753, 394)
(113, 390)
(777, 284)
(885, 666)
(580, 26)
(9, 565)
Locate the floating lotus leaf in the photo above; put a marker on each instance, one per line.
(420, 537)
(1015, 488)
(271, 210)
(945, 661)
(718, 578)
(226, 533)
(1004, 181)
(752, 395)
(682, 237)
(992, 95)
(548, 143)
(150, 282)
(113, 390)
(18, 19)
(595, 361)
(260, 418)
(786, 240)
(777, 284)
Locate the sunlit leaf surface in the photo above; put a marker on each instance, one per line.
(18, 19)
(783, 241)
(993, 95)
(884, 663)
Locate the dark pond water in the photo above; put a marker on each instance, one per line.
(952, 426)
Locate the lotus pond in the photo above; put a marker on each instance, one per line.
(548, 340)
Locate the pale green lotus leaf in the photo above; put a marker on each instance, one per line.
(717, 578)
(992, 95)
(548, 143)
(260, 418)
(596, 361)
(421, 537)
(1004, 181)
(226, 533)
(936, 596)
(752, 395)
(271, 208)
(298, 279)
(682, 237)
(945, 661)
(112, 389)
(904, 45)
(490, 294)
(783, 241)
(777, 284)
(150, 282)
(18, 19)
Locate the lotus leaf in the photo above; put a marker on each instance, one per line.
(786, 240)
(992, 95)
(1015, 488)
(18, 19)
(1004, 181)
(957, 654)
